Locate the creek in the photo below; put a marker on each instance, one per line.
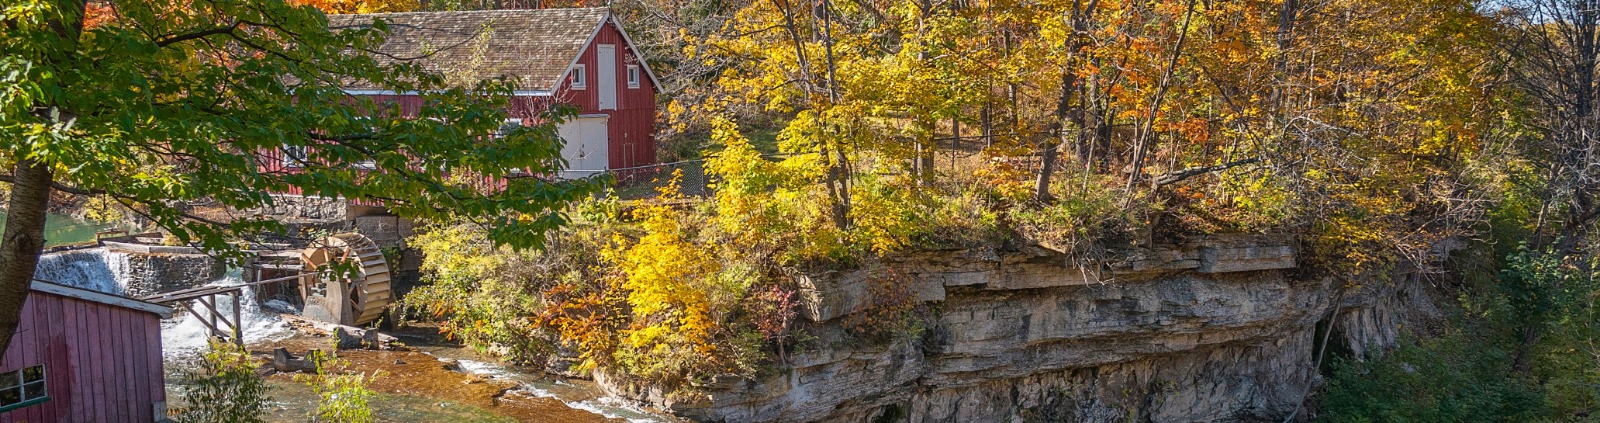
(432, 381)
(60, 229)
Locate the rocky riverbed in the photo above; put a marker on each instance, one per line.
(428, 379)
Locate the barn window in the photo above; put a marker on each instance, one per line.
(580, 79)
(506, 127)
(22, 388)
(633, 76)
(294, 155)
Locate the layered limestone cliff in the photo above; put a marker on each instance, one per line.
(1213, 329)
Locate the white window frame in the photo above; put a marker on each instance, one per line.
(290, 156)
(633, 76)
(28, 392)
(501, 132)
(580, 76)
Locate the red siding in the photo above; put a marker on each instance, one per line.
(632, 126)
(102, 362)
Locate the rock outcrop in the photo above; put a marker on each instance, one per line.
(1210, 330)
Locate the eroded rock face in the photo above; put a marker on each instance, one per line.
(1212, 330)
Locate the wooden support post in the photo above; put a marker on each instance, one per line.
(211, 314)
(238, 322)
(203, 321)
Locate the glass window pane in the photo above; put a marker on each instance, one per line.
(33, 391)
(33, 374)
(10, 396)
(9, 379)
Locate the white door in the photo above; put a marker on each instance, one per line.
(608, 76)
(586, 147)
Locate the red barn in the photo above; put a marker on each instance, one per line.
(581, 57)
(83, 356)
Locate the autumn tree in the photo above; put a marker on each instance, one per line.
(1551, 50)
(164, 103)
(362, 6)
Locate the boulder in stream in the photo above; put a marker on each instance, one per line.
(350, 338)
(283, 361)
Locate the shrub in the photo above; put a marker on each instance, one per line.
(1454, 378)
(892, 312)
(341, 398)
(486, 296)
(224, 387)
(1077, 221)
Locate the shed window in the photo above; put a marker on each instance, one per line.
(22, 388)
(506, 127)
(633, 76)
(580, 78)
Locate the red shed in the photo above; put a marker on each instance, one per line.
(83, 356)
(581, 57)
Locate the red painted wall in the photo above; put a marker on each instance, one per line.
(102, 362)
(632, 126)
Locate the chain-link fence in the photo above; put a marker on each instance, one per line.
(641, 182)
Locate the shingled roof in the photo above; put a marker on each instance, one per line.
(534, 47)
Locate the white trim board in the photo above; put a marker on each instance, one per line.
(100, 297)
(611, 18)
(635, 49)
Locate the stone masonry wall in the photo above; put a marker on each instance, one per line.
(150, 270)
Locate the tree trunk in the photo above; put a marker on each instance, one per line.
(1145, 134)
(1052, 139)
(23, 239)
(1049, 143)
(839, 171)
(955, 133)
(988, 124)
(22, 243)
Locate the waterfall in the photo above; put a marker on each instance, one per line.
(94, 269)
(185, 333)
(110, 272)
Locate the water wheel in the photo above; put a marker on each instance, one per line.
(348, 299)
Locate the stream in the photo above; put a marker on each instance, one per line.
(60, 229)
(417, 385)
(430, 381)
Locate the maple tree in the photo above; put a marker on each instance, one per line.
(164, 103)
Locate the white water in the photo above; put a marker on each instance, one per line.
(100, 270)
(186, 333)
(94, 269)
(609, 407)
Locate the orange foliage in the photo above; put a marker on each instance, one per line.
(97, 13)
(333, 7)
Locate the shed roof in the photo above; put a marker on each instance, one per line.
(99, 297)
(533, 47)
